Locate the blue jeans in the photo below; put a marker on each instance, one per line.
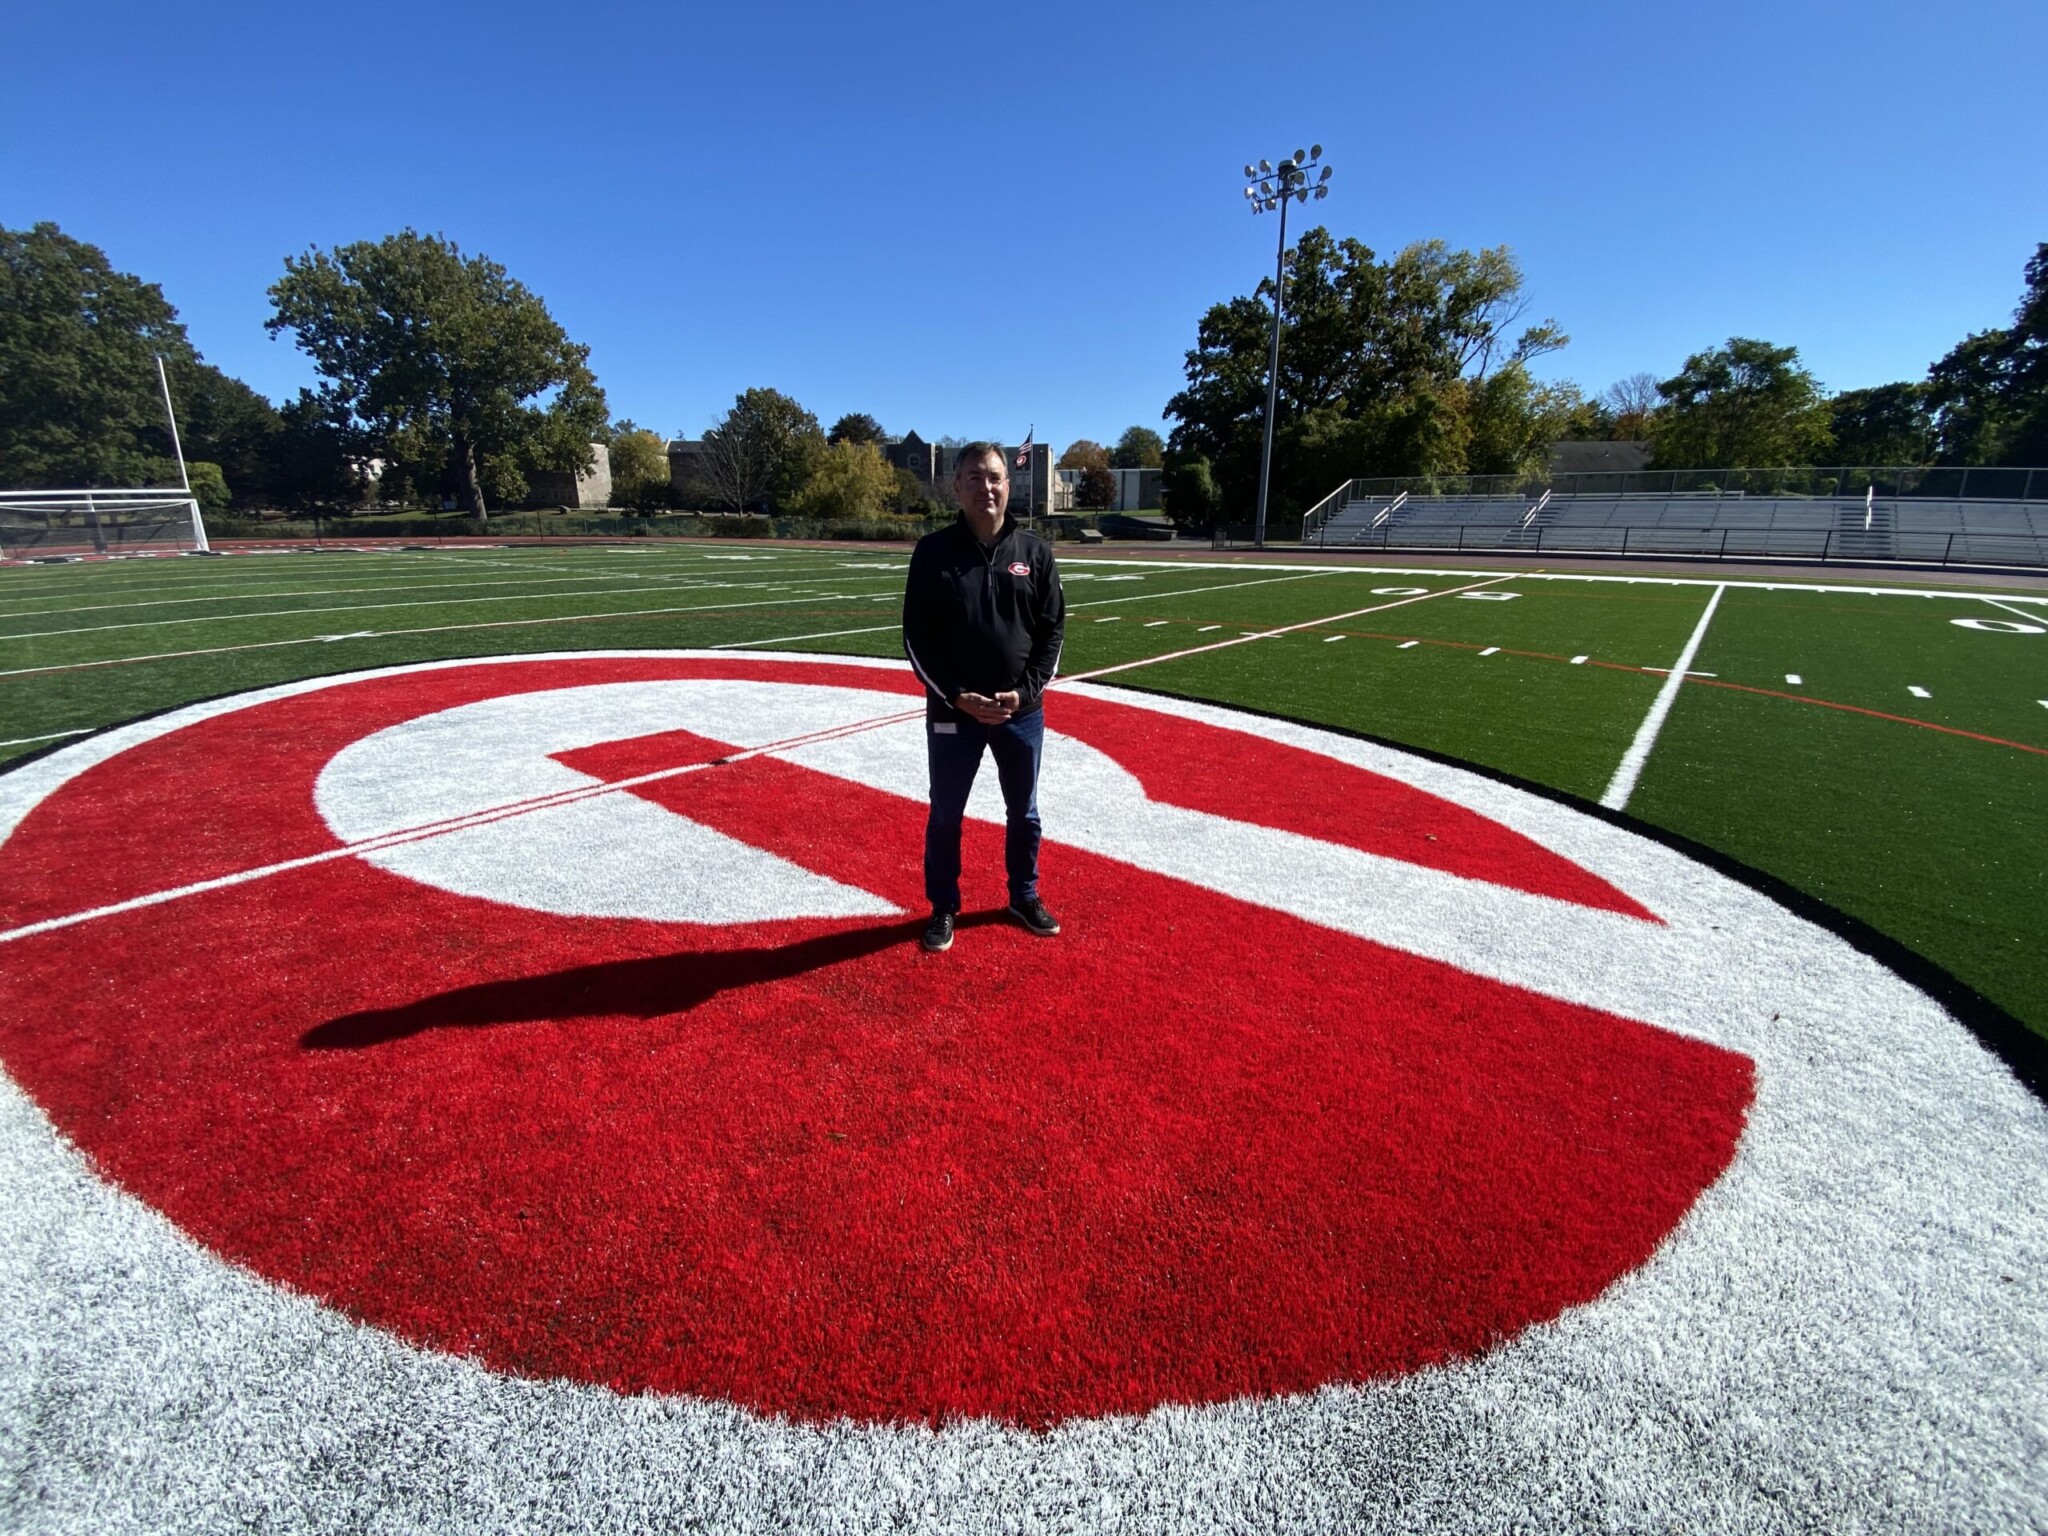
(954, 752)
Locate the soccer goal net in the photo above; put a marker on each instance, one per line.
(46, 525)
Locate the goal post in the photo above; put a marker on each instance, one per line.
(73, 524)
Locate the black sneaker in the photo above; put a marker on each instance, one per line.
(938, 933)
(1033, 915)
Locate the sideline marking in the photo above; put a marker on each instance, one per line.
(22, 741)
(1638, 753)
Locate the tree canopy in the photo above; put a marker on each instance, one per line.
(639, 462)
(441, 364)
(79, 403)
(1413, 366)
(848, 480)
(1097, 488)
(1138, 448)
(856, 427)
(1990, 393)
(1084, 453)
(1743, 404)
(760, 453)
(1888, 424)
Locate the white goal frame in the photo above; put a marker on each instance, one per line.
(113, 504)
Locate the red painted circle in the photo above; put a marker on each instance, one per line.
(1192, 1150)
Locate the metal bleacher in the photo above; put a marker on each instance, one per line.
(1713, 524)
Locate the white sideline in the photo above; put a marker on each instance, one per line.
(1638, 753)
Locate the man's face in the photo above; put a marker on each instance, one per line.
(983, 488)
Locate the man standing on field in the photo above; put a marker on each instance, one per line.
(983, 617)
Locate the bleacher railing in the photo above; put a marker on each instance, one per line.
(1935, 482)
(1901, 546)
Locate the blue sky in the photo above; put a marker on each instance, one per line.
(969, 220)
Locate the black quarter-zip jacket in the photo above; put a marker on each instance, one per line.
(981, 620)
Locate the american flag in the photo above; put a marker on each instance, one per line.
(1023, 460)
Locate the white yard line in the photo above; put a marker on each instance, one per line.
(385, 587)
(1287, 629)
(23, 741)
(385, 634)
(425, 602)
(1631, 769)
(823, 634)
(2032, 615)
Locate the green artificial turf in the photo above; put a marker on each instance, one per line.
(1931, 837)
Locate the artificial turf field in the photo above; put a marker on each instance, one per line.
(1902, 779)
(469, 1066)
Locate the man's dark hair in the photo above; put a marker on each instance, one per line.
(969, 452)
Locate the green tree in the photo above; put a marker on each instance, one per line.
(1990, 393)
(1084, 453)
(1189, 495)
(849, 480)
(1513, 421)
(1138, 448)
(223, 421)
(209, 485)
(441, 363)
(1381, 365)
(761, 451)
(856, 427)
(79, 401)
(1747, 404)
(639, 461)
(319, 464)
(1889, 424)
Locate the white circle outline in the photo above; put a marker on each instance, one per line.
(1775, 1365)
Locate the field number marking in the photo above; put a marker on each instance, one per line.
(1400, 591)
(1489, 597)
(1631, 767)
(2001, 626)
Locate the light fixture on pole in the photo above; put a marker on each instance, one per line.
(1267, 189)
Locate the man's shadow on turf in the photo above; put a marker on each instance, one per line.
(638, 988)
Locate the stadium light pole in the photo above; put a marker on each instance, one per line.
(1268, 189)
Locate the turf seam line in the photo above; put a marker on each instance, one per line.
(1631, 767)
